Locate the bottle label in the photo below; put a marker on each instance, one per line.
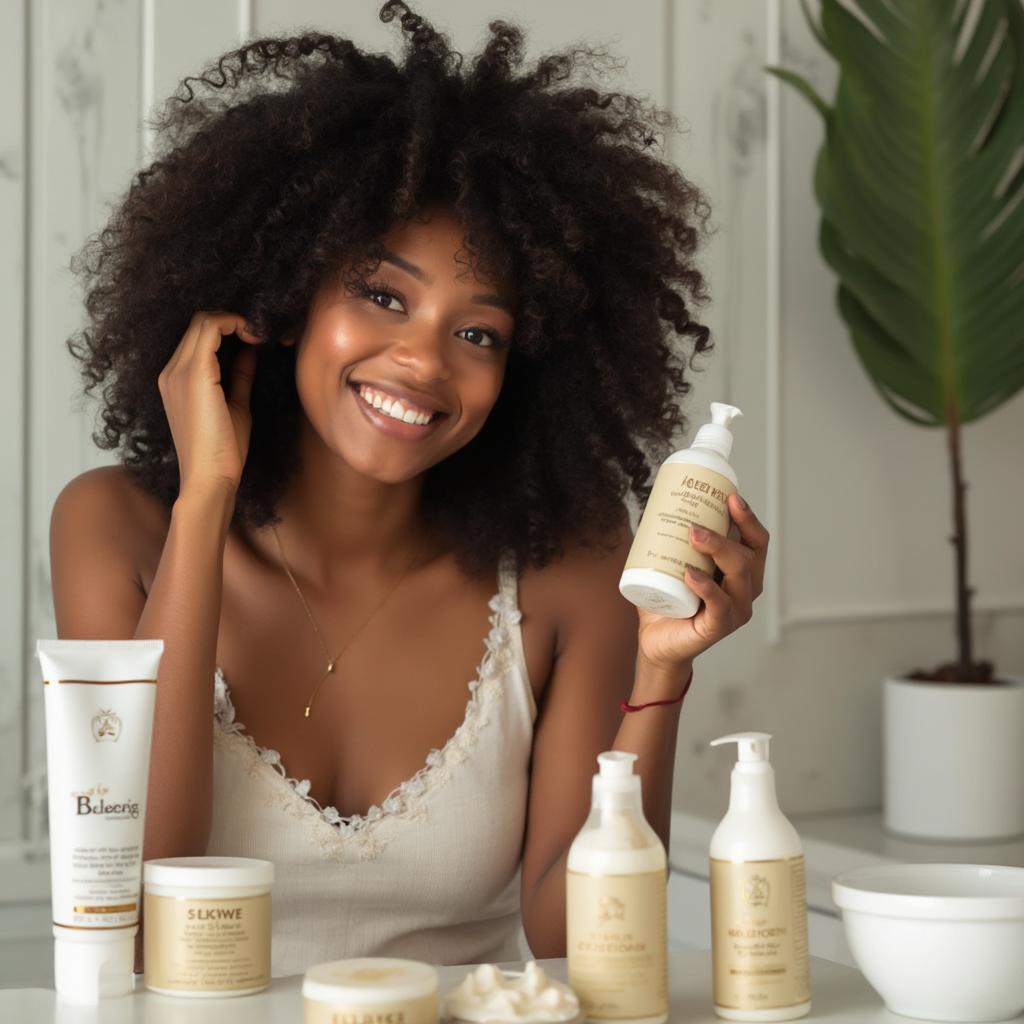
(681, 494)
(617, 944)
(759, 934)
(207, 945)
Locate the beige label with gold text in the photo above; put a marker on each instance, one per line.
(681, 494)
(422, 1010)
(202, 945)
(759, 934)
(616, 942)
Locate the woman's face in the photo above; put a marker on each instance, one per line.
(418, 343)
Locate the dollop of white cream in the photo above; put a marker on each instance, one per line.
(488, 994)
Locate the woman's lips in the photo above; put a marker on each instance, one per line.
(392, 427)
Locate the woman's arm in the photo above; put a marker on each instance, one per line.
(600, 650)
(97, 595)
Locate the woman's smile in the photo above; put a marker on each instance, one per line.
(380, 411)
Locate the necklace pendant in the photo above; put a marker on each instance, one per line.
(330, 666)
(305, 714)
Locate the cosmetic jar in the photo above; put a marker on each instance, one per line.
(206, 925)
(371, 990)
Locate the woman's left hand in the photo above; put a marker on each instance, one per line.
(668, 643)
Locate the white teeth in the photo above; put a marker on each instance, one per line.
(394, 409)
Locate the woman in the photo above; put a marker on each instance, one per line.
(356, 463)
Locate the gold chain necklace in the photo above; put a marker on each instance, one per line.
(331, 662)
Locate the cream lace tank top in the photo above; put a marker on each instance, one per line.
(432, 873)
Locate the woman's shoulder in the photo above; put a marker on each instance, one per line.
(113, 491)
(107, 500)
(583, 581)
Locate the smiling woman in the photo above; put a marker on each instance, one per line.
(416, 353)
(381, 351)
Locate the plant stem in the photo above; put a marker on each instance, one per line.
(965, 654)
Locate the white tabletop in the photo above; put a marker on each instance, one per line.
(839, 994)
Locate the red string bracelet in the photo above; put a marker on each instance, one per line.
(623, 706)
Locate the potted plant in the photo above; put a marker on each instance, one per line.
(920, 184)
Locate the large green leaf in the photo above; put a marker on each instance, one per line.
(920, 180)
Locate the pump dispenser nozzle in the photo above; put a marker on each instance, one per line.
(751, 746)
(716, 435)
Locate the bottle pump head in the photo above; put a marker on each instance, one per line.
(752, 750)
(716, 435)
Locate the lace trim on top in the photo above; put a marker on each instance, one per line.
(403, 800)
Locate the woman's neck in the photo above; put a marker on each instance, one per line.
(336, 521)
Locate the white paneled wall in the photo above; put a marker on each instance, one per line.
(857, 500)
(13, 196)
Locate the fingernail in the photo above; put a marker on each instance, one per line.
(698, 574)
(742, 504)
(699, 533)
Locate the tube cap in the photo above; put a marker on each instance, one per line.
(92, 965)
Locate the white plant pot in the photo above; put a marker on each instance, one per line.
(953, 759)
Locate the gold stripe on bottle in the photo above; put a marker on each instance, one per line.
(95, 927)
(769, 860)
(121, 908)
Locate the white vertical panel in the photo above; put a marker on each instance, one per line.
(172, 47)
(13, 193)
(84, 140)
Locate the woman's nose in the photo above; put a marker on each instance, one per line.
(424, 354)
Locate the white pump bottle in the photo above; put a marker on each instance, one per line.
(616, 903)
(691, 487)
(758, 897)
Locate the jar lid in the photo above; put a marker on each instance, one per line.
(369, 979)
(208, 872)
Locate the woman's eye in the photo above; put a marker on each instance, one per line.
(491, 340)
(371, 292)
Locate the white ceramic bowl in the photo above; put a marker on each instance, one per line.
(939, 941)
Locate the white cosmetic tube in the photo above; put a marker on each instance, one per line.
(99, 699)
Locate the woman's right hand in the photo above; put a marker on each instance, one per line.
(210, 425)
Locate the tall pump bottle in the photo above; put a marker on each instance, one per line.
(616, 912)
(691, 487)
(758, 897)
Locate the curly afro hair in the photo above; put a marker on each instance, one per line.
(299, 157)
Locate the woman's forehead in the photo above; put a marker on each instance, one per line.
(434, 245)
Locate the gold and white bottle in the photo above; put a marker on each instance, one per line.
(758, 897)
(616, 911)
(691, 488)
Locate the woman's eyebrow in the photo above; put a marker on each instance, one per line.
(488, 299)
